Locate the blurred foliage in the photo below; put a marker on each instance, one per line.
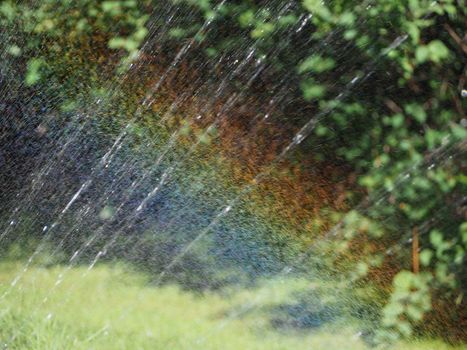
(403, 132)
(387, 77)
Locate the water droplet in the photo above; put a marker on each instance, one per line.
(298, 138)
(74, 255)
(357, 335)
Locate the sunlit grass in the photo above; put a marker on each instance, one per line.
(113, 308)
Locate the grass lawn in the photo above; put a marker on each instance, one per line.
(112, 308)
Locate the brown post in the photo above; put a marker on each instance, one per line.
(415, 255)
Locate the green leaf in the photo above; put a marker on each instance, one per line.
(459, 132)
(117, 43)
(140, 34)
(422, 54)
(414, 312)
(350, 34)
(403, 280)
(405, 328)
(8, 10)
(205, 139)
(463, 232)
(318, 8)
(362, 268)
(397, 120)
(33, 73)
(177, 33)
(347, 18)
(287, 20)
(316, 64)
(246, 19)
(416, 111)
(414, 32)
(262, 30)
(107, 213)
(436, 238)
(425, 257)
(211, 51)
(311, 90)
(14, 50)
(438, 51)
(111, 7)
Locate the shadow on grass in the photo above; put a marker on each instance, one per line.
(306, 311)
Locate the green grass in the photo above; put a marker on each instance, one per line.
(113, 308)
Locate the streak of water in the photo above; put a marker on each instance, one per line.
(304, 132)
(440, 155)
